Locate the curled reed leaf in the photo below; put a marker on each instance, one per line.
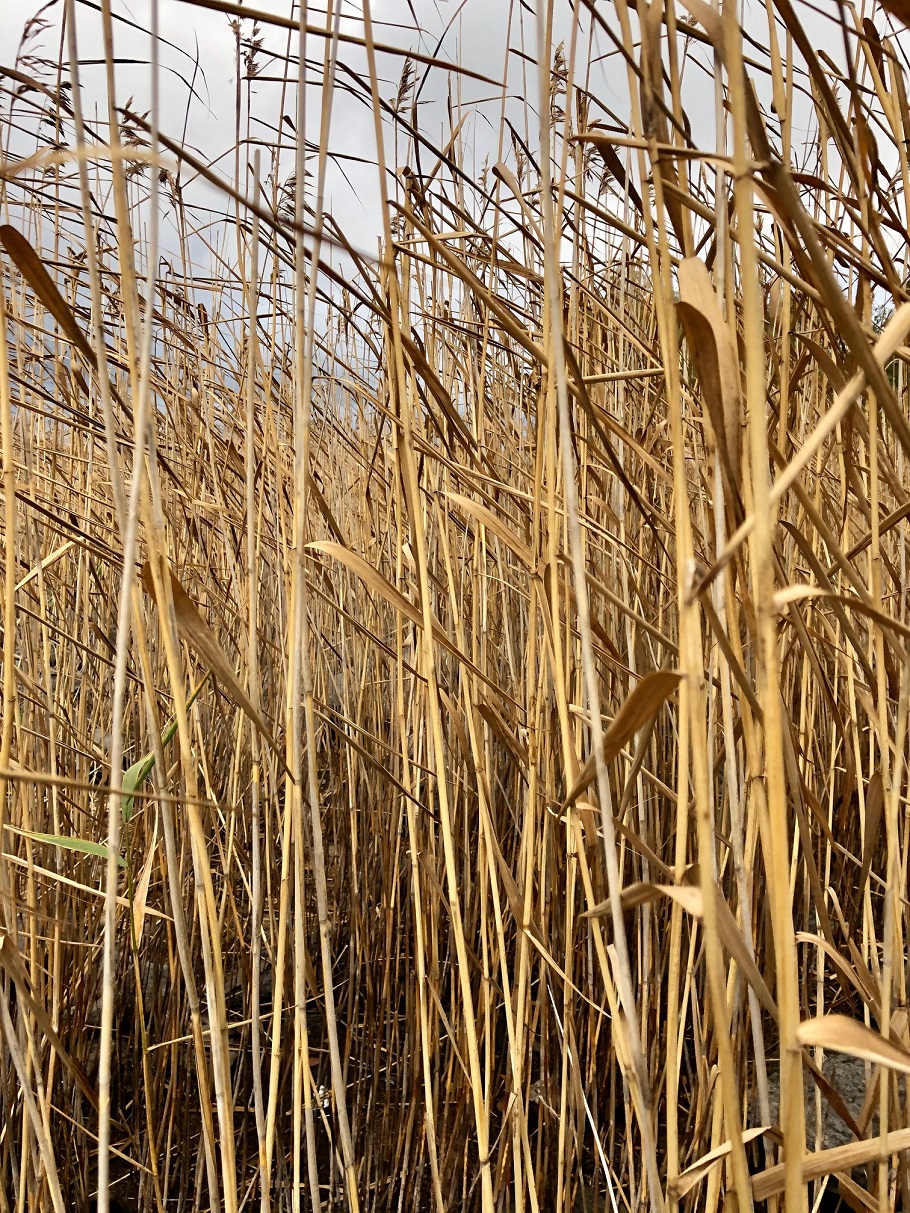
(193, 629)
(638, 709)
(845, 1035)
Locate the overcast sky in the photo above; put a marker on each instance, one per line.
(477, 37)
(475, 33)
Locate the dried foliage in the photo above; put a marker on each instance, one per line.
(455, 699)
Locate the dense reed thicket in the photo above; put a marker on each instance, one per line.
(455, 691)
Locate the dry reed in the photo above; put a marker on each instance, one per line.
(455, 698)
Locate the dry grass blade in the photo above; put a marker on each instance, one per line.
(13, 964)
(851, 1036)
(29, 265)
(770, 1183)
(714, 352)
(639, 709)
(193, 629)
(694, 1174)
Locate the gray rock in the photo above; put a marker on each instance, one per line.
(848, 1076)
